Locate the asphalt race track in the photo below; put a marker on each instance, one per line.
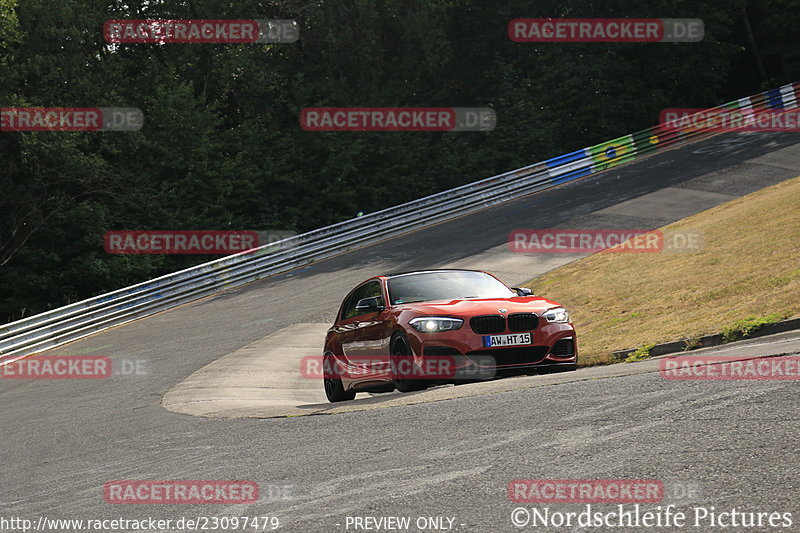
(733, 444)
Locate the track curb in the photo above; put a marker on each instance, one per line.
(707, 341)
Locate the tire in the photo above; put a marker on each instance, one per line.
(334, 390)
(401, 349)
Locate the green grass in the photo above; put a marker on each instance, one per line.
(641, 353)
(744, 327)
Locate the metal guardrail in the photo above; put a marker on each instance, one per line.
(80, 319)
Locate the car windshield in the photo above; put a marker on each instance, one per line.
(427, 286)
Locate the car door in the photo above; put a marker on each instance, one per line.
(363, 333)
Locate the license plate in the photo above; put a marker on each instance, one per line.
(513, 339)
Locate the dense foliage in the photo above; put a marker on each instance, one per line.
(222, 148)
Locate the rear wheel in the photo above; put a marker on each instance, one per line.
(334, 389)
(402, 358)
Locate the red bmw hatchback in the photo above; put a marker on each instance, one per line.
(399, 330)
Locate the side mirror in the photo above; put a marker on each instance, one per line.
(523, 291)
(370, 304)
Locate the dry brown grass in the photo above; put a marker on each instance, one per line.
(749, 265)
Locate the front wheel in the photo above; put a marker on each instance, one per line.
(401, 357)
(334, 389)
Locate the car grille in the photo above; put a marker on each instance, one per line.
(563, 348)
(522, 321)
(487, 324)
(523, 355)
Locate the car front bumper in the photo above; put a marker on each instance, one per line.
(552, 344)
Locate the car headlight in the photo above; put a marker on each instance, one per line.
(433, 324)
(557, 314)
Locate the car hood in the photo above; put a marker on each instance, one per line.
(473, 307)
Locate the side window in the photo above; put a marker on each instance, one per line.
(367, 290)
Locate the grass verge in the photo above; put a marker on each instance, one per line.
(748, 267)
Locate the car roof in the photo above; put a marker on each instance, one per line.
(398, 274)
